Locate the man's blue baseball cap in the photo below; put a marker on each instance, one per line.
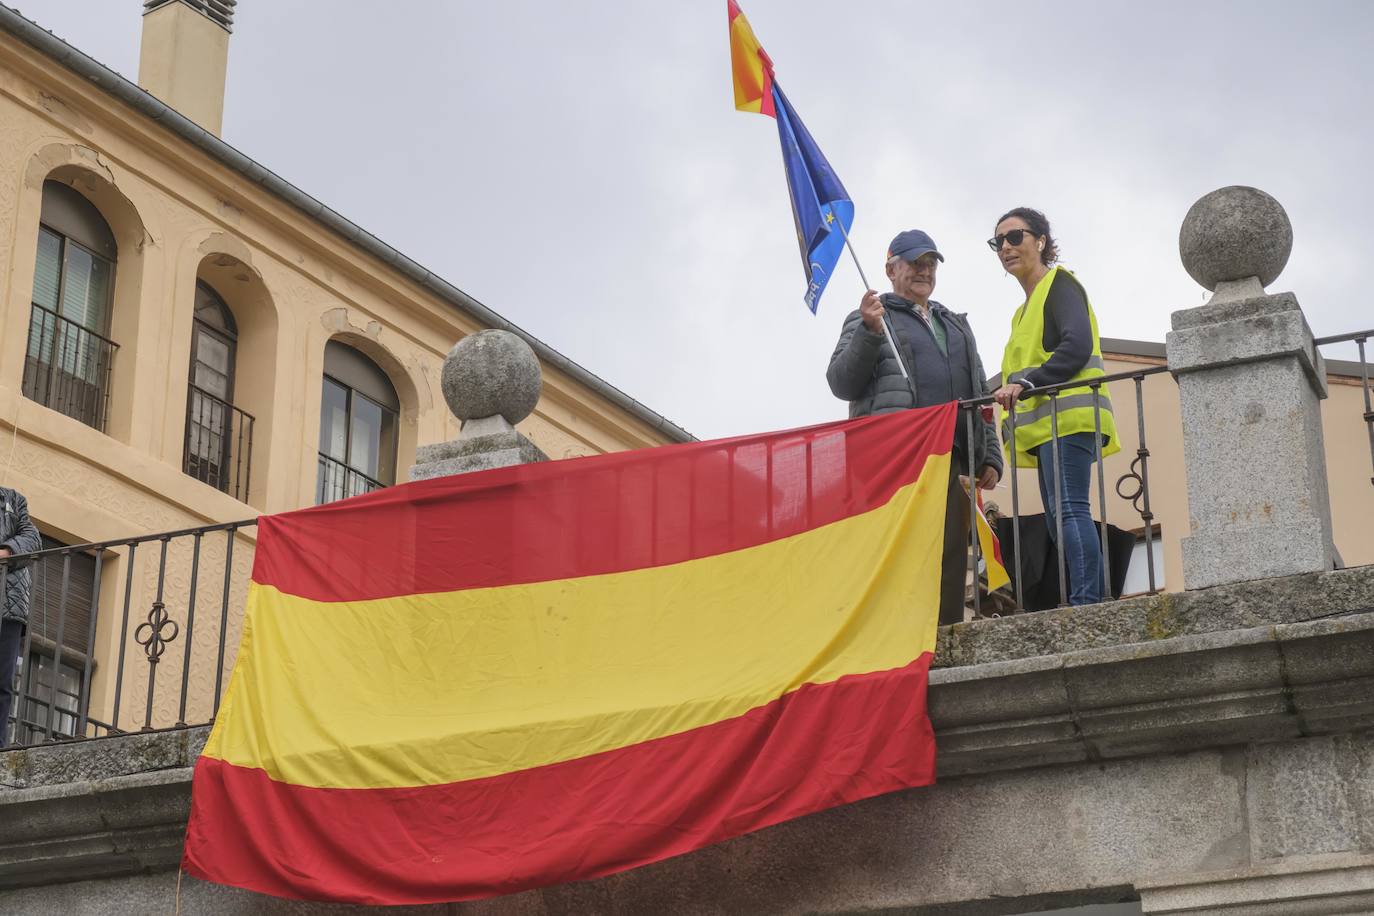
(911, 244)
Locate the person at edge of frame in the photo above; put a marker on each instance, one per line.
(1054, 339)
(941, 354)
(17, 535)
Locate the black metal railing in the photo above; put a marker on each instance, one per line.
(219, 443)
(1133, 486)
(1359, 338)
(187, 574)
(68, 366)
(336, 480)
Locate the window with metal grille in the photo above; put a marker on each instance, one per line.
(69, 357)
(358, 417)
(219, 436)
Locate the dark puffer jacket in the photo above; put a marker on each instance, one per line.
(864, 371)
(17, 532)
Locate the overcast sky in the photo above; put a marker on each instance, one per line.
(580, 168)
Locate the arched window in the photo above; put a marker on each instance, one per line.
(219, 436)
(69, 355)
(358, 417)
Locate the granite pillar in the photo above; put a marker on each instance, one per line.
(1250, 384)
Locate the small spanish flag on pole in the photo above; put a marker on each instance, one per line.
(490, 682)
(991, 550)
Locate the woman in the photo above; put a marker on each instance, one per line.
(1053, 340)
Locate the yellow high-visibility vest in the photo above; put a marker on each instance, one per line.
(1076, 413)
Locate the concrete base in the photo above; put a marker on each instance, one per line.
(488, 443)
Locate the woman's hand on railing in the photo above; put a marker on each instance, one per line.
(1008, 394)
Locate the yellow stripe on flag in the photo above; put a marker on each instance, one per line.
(987, 544)
(433, 689)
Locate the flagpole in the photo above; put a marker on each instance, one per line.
(887, 328)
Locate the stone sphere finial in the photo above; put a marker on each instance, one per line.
(490, 373)
(1235, 233)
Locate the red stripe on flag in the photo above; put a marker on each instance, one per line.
(598, 515)
(820, 746)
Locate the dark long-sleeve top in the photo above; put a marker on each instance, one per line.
(1068, 334)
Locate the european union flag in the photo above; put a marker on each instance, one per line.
(818, 200)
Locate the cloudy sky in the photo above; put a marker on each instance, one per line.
(580, 168)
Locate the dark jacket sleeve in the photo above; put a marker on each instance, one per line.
(26, 538)
(1068, 333)
(855, 356)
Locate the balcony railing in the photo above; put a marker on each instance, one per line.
(1132, 486)
(219, 443)
(1359, 338)
(68, 367)
(337, 480)
(188, 580)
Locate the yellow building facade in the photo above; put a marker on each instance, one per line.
(188, 340)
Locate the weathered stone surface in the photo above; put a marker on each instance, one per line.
(1234, 233)
(1249, 385)
(158, 893)
(1223, 334)
(1302, 801)
(475, 453)
(1300, 886)
(1236, 606)
(491, 373)
(94, 761)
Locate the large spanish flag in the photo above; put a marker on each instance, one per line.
(491, 682)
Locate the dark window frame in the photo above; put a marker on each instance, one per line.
(78, 387)
(217, 474)
(31, 707)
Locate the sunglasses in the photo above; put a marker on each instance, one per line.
(1015, 236)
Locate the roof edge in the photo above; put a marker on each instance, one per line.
(144, 103)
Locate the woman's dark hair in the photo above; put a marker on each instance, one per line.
(1040, 226)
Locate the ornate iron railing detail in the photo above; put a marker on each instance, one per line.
(48, 710)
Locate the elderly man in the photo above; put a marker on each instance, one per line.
(939, 351)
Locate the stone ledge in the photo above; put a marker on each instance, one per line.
(1238, 606)
(88, 829)
(1202, 690)
(1342, 883)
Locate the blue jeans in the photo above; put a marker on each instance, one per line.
(1082, 548)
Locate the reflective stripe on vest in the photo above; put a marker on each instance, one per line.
(1045, 411)
(1078, 408)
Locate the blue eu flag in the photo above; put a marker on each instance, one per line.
(818, 200)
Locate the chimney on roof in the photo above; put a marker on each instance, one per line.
(185, 55)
